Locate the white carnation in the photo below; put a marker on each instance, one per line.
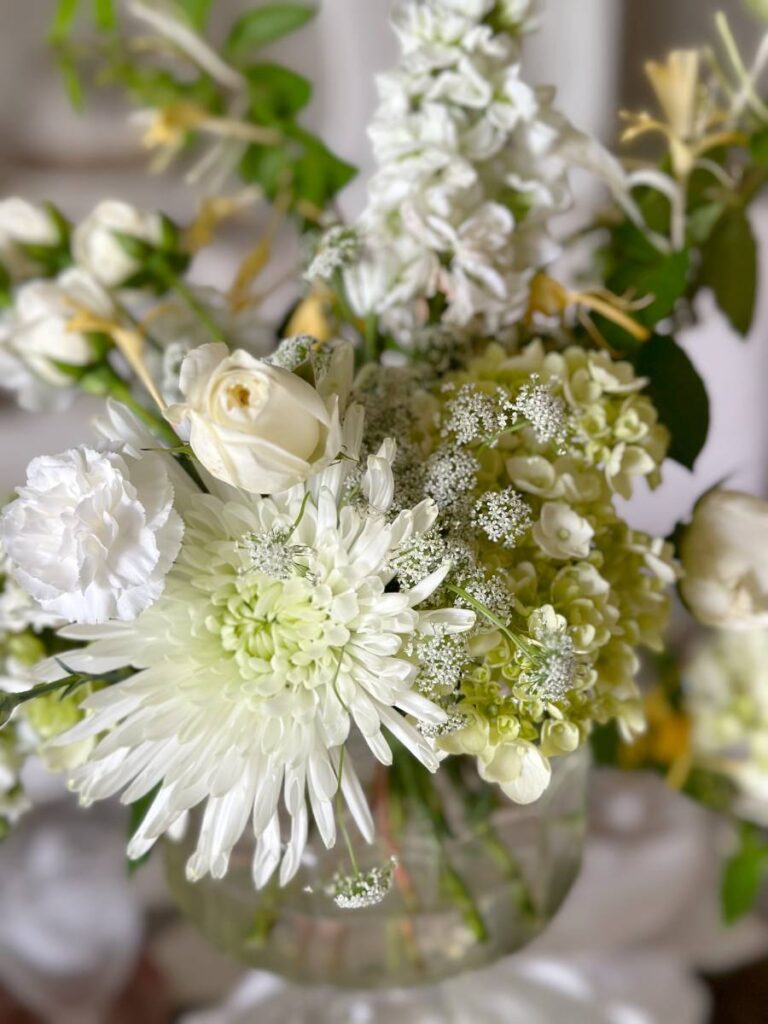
(93, 533)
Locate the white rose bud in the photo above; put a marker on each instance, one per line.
(26, 224)
(561, 532)
(97, 248)
(40, 333)
(724, 553)
(93, 534)
(255, 426)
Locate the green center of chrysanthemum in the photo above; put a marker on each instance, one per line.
(278, 632)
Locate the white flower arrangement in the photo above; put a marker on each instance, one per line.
(391, 523)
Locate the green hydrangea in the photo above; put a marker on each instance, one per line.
(555, 438)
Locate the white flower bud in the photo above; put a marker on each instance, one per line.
(518, 767)
(725, 561)
(97, 249)
(251, 424)
(40, 332)
(23, 223)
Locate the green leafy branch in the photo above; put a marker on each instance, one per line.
(258, 101)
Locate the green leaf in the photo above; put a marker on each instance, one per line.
(605, 742)
(63, 20)
(743, 875)
(264, 25)
(71, 78)
(318, 173)
(267, 166)
(664, 280)
(137, 813)
(276, 93)
(197, 12)
(729, 267)
(758, 145)
(679, 394)
(104, 15)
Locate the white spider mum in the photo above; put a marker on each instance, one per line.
(249, 679)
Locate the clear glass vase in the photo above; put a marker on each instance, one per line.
(473, 885)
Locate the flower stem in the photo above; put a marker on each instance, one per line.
(478, 606)
(371, 339)
(193, 304)
(106, 381)
(417, 785)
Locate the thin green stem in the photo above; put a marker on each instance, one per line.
(417, 785)
(340, 817)
(478, 606)
(107, 381)
(192, 303)
(371, 338)
(136, 324)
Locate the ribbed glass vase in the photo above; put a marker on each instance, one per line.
(476, 879)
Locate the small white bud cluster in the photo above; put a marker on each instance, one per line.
(555, 669)
(489, 591)
(455, 722)
(477, 416)
(503, 516)
(413, 564)
(362, 888)
(339, 247)
(443, 659)
(450, 475)
(273, 555)
(546, 413)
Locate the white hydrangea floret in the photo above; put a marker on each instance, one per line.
(93, 533)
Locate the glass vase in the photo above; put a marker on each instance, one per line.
(470, 886)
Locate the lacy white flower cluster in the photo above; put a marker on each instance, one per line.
(524, 455)
(471, 170)
(726, 696)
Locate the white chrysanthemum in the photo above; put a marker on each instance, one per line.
(250, 675)
(93, 533)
